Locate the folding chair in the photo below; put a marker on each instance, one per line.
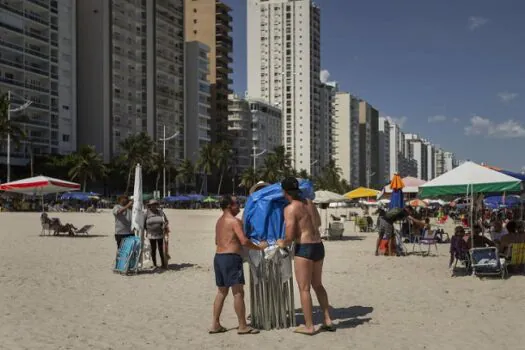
(517, 255)
(428, 239)
(84, 229)
(486, 262)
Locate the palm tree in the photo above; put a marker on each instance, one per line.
(158, 165)
(248, 178)
(303, 174)
(86, 164)
(185, 171)
(330, 178)
(8, 127)
(271, 172)
(282, 161)
(223, 160)
(136, 149)
(207, 161)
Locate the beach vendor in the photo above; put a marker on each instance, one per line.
(227, 263)
(155, 224)
(302, 222)
(122, 214)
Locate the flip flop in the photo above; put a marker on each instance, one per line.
(328, 328)
(249, 331)
(218, 330)
(302, 330)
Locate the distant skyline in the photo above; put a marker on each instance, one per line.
(450, 71)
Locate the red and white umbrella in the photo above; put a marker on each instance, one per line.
(39, 185)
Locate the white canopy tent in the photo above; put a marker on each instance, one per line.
(327, 197)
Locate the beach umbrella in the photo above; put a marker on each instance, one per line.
(210, 200)
(418, 203)
(397, 199)
(137, 213)
(196, 197)
(79, 196)
(39, 185)
(327, 197)
(362, 192)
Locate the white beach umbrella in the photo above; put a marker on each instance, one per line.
(328, 197)
(137, 213)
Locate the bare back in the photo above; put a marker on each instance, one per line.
(225, 238)
(302, 222)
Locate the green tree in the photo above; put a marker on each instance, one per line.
(223, 159)
(271, 172)
(303, 174)
(185, 173)
(207, 161)
(8, 127)
(158, 164)
(136, 149)
(86, 164)
(248, 178)
(330, 178)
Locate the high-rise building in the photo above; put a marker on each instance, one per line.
(210, 22)
(347, 142)
(38, 64)
(130, 73)
(396, 149)
(266, 128)
(416, 149)
(197, 130)
(384, 150)
(240, 128)
(327, 136)
(368, 145)
(431, 161)
(284, 63)
(445, 161)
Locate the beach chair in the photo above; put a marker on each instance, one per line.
(335, 230)
(517, 256)
(486, 262)
(84, 229)
(429, 240)
(45, 221)
(128, 254)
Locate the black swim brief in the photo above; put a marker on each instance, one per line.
(310, 251)
(228, 269)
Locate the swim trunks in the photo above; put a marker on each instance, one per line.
(228, 269)
(310, 251)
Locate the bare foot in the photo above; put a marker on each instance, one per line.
(247, 330)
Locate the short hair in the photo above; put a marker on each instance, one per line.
(121, 197)
(512, 226)
(226, 201)
(459, 230)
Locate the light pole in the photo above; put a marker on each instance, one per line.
(164, 139)
(369, 178)
(255, 155)
(9, 111)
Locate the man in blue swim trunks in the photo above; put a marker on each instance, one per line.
(229, 273)
(302, 222)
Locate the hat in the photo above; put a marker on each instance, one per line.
(153, 201)
(290, 184)
(258, 186)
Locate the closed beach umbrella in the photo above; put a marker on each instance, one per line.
(137, 213)
(397, 199)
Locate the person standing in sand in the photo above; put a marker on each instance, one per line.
(302, 222)
(122, 214)
(229, 273)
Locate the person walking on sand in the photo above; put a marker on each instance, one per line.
(155, 224)
(227, 263)
(122, 214)
(302, 222)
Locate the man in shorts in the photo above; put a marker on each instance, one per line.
(229, 273)
(122, 214)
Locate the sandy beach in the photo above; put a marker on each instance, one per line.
(61, 293)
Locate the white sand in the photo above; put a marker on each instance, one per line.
(60, 293)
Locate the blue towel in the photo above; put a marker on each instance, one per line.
(263, 213)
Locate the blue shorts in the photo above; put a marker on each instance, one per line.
(228, 270)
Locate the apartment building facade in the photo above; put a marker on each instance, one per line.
(240, 129)
(416, 150)
(384, 150)
(368, 145)
(38, 64)
(266, 128)
(210, 22)
(283, 42)
(198, 119)
(131, 73)
(327, 135)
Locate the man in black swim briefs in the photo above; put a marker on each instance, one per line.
(302, 222)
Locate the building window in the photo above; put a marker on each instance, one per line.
(65, 138)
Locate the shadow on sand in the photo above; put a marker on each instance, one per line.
(347, 317)
(352, 238)
(171, 267)
(74, 236)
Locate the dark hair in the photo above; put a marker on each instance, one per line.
(459, 230)
(295, 194)
(226, 201)
(512, 226)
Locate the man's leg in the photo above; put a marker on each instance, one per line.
(320, 291)
(378, 243)
(303, 275)
(222, 293)
(238, 305)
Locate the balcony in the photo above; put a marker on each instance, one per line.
(40, 3)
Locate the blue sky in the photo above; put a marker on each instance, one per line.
(452, 71)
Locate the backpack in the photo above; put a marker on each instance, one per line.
(395, 214)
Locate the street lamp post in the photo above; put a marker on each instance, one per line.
(255, 155)
(164, 139)
(9, 111)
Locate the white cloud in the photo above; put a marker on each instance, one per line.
(399, 121)
(506, 97)
(324, 76)
(485, 127)
(475, 22)
(437, 119)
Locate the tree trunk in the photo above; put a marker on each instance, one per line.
(84, 181)
(129, 181)
(202, 183)
(220, 184)
(157, 183)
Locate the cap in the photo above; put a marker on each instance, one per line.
(153, 201)
(290, 184)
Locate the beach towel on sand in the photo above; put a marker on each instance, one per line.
(263, 213)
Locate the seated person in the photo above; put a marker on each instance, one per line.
(512, 237)
(458, 246)
(480, 241)
(386, 231)
(498, 231)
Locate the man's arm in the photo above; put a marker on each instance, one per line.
(123, 209)
(290, 227)
(315, 214)
(245, 242)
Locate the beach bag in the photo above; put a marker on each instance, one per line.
(128, 255)
(394, 214)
